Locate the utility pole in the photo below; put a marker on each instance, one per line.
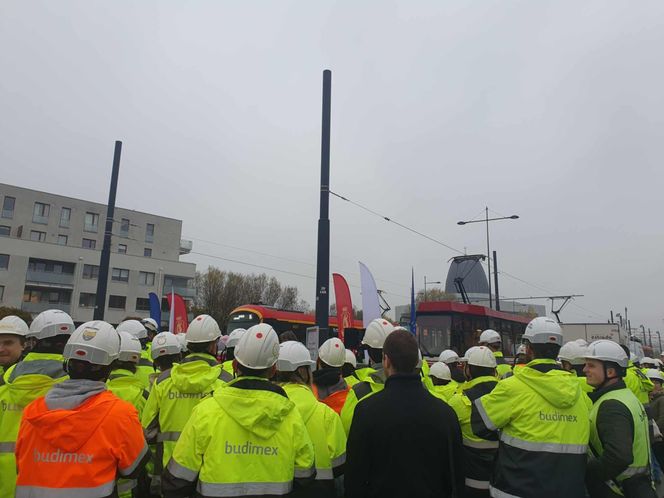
(102, 281)
(323, 257)
(495, 275)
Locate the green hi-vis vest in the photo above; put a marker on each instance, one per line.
(375, 383)
(640, 447)
(503, 369)
(445, 392)
(324, 428)
(26, 381)
(145, 368)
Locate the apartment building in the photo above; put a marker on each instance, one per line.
(50, 248)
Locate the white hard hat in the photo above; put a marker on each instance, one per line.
(464, 358)
(449, 356)
(654, 374)
(543, 330)
(150, 324)
(440, 371)
(490, 336)
(647, 360)
(130, 348)
(658, 362)
(50, 323)
(481, 356)
(234, 337)
(182, 341)
(633, 357)
(96, 342)
(258, 348)
(351, 358)
(605, 350)
(134, 327)
(165, 343)
(293, 355)
(376, 333)
(332, 352)
(521, 349)
(573, 352)
(582, 342)
(202, 329)
(14, 325)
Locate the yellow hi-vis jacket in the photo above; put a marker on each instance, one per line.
(503, 369)
(174, 394)
(127, 387)
(479, 452)
(637, 382)
(447, 391)
(145, 367)
(375, 383)
(25, 381)
(543, 419)
(247, 439)
(325, 430)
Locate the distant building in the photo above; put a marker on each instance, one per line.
(50, 248)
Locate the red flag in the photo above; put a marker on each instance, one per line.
(178, 314)
(344, 304)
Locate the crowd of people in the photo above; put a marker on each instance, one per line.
(99, 411)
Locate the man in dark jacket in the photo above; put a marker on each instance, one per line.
(403, 441)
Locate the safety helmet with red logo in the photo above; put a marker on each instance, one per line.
(258, 348)
(202, 329)
(50, 323)
(332, 352)
(376, 333)
(96, 342)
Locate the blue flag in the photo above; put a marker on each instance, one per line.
(413, 311)
(155, 309)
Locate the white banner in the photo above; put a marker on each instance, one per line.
(370, 304)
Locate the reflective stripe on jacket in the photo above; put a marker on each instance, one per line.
(247, 439)
(25, 381)
(543, 418)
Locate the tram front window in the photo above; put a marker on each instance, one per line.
(242, 320)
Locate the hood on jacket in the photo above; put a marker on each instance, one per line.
(259, 411)
(195, 375)
(33, 377)
(70, 428)
(557, 387)
(304, 399)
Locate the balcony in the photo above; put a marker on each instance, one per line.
(38, 307)
(54, 279)
(185, 246)
(186, 292)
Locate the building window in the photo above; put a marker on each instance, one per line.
(5, 230)
(89, 244)
(62, 240)
(4, 261)
(51, 296)
(120, 275)
(91, 222)
(65, 217)
(149, 232)
(2, 293)
(87, 300)
(48, 266)
(90, 271)
(37, 236)
(40, 213)
(147, 252)
(8, 207)
(142, 304)
(124, 227)
(117, 302)
(146, 278)
(122, 248)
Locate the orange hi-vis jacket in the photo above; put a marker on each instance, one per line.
(335, 400)
(79, 452)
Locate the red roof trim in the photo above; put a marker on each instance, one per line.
(467, 309)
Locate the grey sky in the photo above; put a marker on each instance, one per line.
(552, 110)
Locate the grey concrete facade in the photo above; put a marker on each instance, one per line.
(50, 247)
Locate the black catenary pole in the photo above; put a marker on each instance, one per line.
(495, 279)
(323, 260)
(102, 282)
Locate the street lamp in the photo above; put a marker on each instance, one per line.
(425, 286)
(660, 342)
(488, 249)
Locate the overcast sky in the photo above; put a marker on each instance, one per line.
(550, 110)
